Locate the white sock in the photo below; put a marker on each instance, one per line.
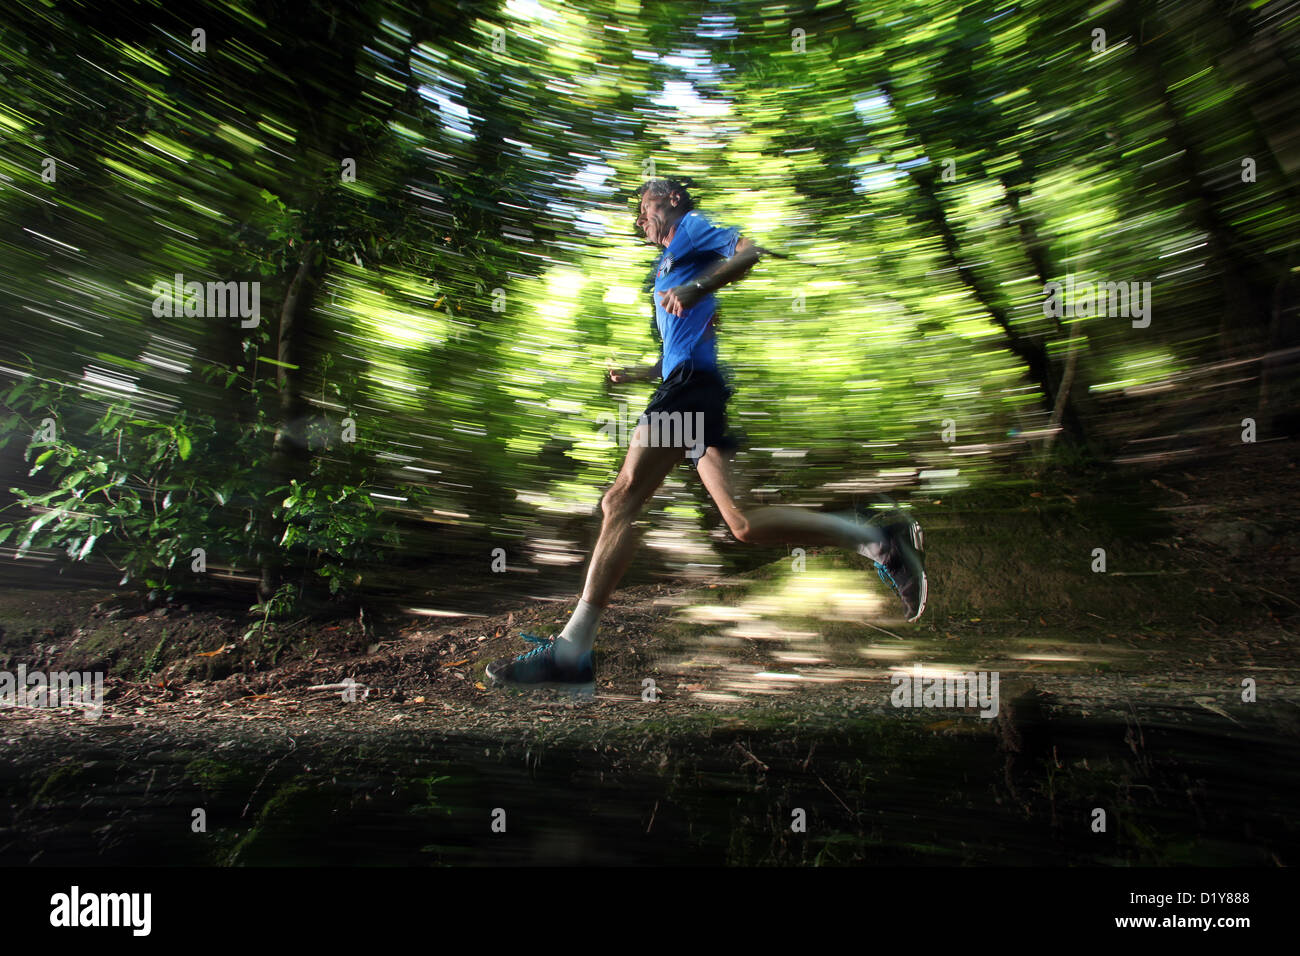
(579, 635)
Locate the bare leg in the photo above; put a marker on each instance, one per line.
(643, 472)
(778, 525)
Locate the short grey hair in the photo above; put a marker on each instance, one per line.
(663, 188)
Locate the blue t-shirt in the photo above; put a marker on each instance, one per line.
(696, 248)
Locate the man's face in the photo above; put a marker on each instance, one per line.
(658, 216)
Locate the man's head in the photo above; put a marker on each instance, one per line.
(663, 203)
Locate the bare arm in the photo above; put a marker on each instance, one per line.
(644, 373)
(729, 270)
(681, 298)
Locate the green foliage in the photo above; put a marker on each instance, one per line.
(432, 802)
(276, 606)
(147, 495)
(337, 526)
(142, 493)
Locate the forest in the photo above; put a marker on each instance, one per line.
(309, 311)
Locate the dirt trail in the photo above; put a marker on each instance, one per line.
(1120, 689)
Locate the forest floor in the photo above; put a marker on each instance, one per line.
(728, 714)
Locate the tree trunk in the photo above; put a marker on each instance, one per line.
(289, 453)
(1039, 254)
(1246, 295)
(1030, 350)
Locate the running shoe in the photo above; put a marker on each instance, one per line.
(538, 668)
(903, 567)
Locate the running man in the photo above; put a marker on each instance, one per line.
(698, 259)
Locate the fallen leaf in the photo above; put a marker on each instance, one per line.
(1206, 703)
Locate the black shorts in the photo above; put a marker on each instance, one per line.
(699, 397)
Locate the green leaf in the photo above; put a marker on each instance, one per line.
(183, 444)
(40, 522)
(30, 500)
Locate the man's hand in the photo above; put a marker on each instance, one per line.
(618, 376)
(680, 298)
